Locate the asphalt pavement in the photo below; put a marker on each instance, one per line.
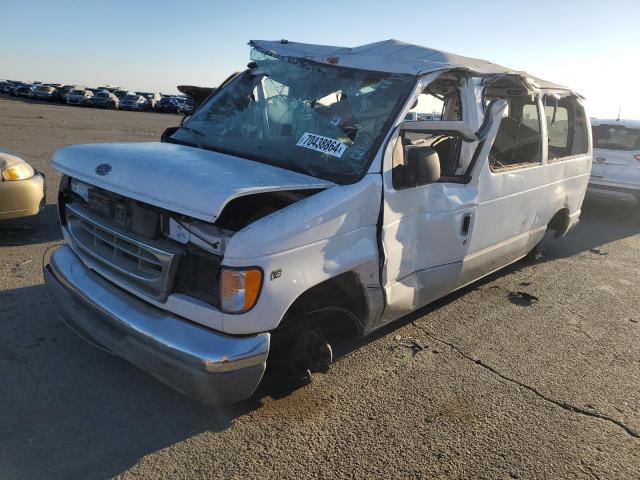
(533, 372)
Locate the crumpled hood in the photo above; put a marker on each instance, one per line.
(182, 179)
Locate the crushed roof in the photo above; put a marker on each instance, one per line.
(393, 56)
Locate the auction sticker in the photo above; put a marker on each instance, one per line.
(322, 144)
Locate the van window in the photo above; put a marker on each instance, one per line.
(439, 101)
(616, 137)
(566, 127)
(428, 107)
(519, 137)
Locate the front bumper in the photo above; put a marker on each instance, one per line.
(22, 198)
(209, 366)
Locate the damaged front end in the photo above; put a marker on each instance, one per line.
(153, 251)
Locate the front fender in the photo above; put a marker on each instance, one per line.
(318, 238)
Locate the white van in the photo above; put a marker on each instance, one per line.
(615, 174)
(296, 208)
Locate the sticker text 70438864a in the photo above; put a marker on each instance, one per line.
(322, 144)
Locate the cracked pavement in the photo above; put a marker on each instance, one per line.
(533, 372)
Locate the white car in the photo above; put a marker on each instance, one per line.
(79, 97)
(615, 175)
(133, 101)
(296, 208)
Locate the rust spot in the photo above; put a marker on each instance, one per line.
(333, 60)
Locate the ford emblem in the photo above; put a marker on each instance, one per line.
(103, 169)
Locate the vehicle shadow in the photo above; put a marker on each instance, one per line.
(74, 411)
(599, 224)
(41, 228)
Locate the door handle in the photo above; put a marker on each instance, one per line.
(600, 160)
(466, 223)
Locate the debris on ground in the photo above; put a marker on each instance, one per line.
(598, 251)
(523, 299)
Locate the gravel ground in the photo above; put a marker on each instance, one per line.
(532, 373)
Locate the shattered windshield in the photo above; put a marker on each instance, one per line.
(317, 119)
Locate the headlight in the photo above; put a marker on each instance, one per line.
(19, 171)
(239, 289)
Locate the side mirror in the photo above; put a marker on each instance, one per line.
(167, 133)
(422, 166)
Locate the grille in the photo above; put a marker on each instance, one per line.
(148, 264)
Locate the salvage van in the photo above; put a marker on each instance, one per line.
(296, 208)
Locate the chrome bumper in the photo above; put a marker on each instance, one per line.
(211, 367)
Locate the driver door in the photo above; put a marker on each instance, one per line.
(426, 229)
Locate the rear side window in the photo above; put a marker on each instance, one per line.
(518, 141)
(616, 137)
(567, 133)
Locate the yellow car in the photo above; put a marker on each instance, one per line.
(21, 187)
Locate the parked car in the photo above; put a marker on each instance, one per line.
(150, 100)
(104, 99)
(108, 88)
(296, 209)
(42, 92)
(79, 96)
(10, 85)
(188, 106)
(133, 101)
(21, 188)
(170, 104)
(615, 174)
(22, 91)
(60, 94)
(120, 93)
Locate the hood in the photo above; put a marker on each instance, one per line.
(182, 179)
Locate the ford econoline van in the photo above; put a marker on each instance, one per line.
(297, 208)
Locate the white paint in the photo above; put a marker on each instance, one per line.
(187, 180)
(426, 254)
(615, 174)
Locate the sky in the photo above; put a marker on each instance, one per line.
(591, 46)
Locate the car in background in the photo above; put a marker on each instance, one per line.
(615, 171)
(151, 100)
(103, 99)
(133, 101)
(108, 88)
(22, 91)
(60, 94)
(42, 92)
(10, 85)
(189, 106)
(79, 96)
(120, 93)
(22, 191)
(170, 104)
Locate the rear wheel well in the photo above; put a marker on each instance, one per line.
(560, 222)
